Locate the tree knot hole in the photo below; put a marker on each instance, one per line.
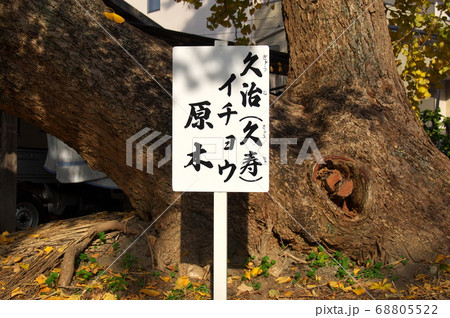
(344, 182)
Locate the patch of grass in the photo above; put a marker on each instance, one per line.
(117, 283)
(296, 278)
(51, 279)
(344, 264)
(372, 271)
(265, 265)
(84, 275)
(176, 294)
(255, 286)
(102, 237)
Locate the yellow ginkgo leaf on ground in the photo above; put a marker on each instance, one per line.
(339, 285)
(165, 279)
(384, 285)
(109, 296)
(333, 284)
(48, 249)
(4, 240)
(114, 17)
(17, 259)
(356, 271)
(16, 292)
(256, 271)
(204, 294)
(288, 294)
(150, 292)
(45, 290)
(7, 259)
(283, 279)
(274, 293)
(181, 282)
(359, 290)
(76, 297)
(441, 257)
(151, 286)
(24, 266)
(247, 275)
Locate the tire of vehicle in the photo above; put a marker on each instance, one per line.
(27, 214)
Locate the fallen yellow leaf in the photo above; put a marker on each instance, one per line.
(109, 296)
(288, 294)
(439, 258)
(150, 292)
(16, 292)
(165, 279)
(283, 279)
(45, 290)
(73, 297)
(333, 284)
(356, 271)
(384, 285)
(181, 282)
(24, 266)
(34, 235)
(48, 249)
(359, 290)
(311, 286)
(17, 259)
(151, 286)
(6, 233)
(7, 259)
(114, 17)
(274, 293)
(256, 271)
(247, 274)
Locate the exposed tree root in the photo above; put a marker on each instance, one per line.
(72, 252)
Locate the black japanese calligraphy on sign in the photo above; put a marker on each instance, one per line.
(199, 115)
(250, 165)
(226, 166)
(250, 59)
(251, 96)
(227, 113)
(249, 130)
(228, 84)
(195, 161)
(223, 144)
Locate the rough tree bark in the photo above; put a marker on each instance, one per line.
(65, 75)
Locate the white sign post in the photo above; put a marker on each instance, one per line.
(220, 130)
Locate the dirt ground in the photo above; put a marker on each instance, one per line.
(119, 265)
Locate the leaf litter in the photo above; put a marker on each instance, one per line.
(20, 278)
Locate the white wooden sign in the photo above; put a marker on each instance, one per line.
(221, 119)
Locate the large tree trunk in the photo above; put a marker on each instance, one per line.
(353, 103)
(64, 74)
